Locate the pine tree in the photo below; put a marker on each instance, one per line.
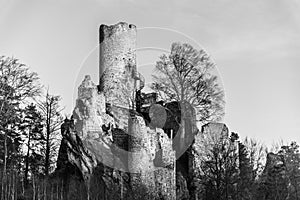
(246, 174)
(32, 127)
(292, 160)
(274, 180)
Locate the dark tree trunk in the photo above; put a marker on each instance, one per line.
(48, 121)
(27, 162)
(3, 190)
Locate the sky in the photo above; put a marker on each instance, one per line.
(255, 45)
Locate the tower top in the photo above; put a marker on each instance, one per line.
(107, 31)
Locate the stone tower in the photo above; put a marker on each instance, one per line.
(118, 64)
(119, 81)
(118, 69)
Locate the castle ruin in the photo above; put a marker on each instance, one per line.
(107, 131)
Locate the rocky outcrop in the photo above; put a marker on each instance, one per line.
(83, 175)
(105, 161)
(99, 158)
(274, 181)
(211, 135)
(115, 147)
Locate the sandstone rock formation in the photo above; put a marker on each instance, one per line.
(211, 134)
(274, 180)
(109, 150)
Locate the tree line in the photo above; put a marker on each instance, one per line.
(231, 169)
(30, 118)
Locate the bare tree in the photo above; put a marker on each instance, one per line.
(219, 169)
(186, 75)
(51, 114)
